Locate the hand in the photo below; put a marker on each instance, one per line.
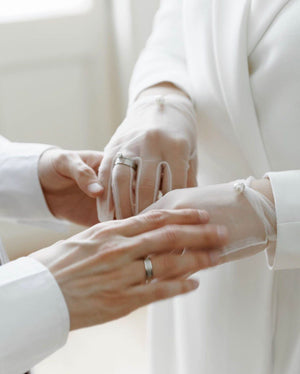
(248, 213)
(70, 184)
(159, 135)
(101, 271)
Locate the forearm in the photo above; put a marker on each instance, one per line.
(264, 187)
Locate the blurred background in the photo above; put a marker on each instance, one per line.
(65, 66)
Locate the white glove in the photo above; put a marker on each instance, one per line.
(248, 215)
(158, 136)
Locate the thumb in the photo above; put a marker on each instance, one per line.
(85, 177)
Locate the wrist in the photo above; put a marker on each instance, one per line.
(264, 187)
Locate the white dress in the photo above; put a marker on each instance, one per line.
(239, 60)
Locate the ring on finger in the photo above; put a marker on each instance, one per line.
(148, 269)
(127, 161)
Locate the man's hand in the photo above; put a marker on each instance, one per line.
(70, 185)
(101, 271)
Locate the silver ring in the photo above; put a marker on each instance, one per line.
(121, 160)
(148, 269)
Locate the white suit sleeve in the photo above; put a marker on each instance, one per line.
(286, 191)
(34, 319)
(163, 58)
(21, 196)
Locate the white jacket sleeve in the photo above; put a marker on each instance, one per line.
(34, 319)
(21, 196)
(286, 191)
(163, 58)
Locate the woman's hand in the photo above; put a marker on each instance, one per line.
(101, 271)
(158, 135)
(70, 184)
(246, 209)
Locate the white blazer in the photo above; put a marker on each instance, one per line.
(239, 60)
(34, 319)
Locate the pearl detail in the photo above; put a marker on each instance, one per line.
(160, 100)
(239, 187)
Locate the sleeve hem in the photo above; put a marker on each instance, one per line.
(286, 191)
(35, 318)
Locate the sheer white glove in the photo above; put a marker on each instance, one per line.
(158, 136)
(248, 215)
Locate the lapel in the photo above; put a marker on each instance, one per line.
(230, 20)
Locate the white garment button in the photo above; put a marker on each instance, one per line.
(160, 100)
(239, 187)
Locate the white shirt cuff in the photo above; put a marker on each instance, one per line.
(286, 191)
(34, 318)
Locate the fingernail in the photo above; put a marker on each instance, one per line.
(203, 215)
(215, 257)
(94, 188)
(194, 284)
(222, 233)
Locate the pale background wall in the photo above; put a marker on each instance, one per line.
(64, 72)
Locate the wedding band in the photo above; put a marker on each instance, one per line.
(121, 160)
(148, 269)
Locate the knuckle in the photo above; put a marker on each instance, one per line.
(82, 168)
(156, 216)
(103, 229)
(154, 135)
(64, 157)
(171, 233)
(180, 145)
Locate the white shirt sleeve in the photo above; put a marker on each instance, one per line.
(163, 59)
(286, 191)
(34, 320)
(21, 196)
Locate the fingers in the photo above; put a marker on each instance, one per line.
(192, 173)
(105, 205)
(158, 218)
(73, 166)
(174, 176)
(122, 177)
(169, 266)
(167, 238)
(147, 184)
(152, 292)
(92, 159)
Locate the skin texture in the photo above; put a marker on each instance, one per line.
(101, 271)
(66, 177)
